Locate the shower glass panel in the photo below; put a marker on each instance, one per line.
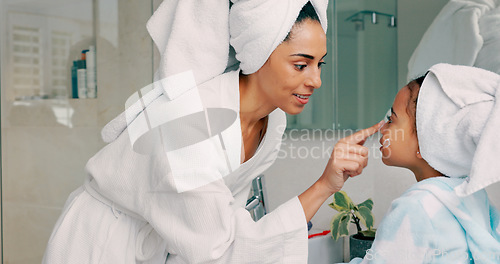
(47, 135)
(359, 81)
(367, 61)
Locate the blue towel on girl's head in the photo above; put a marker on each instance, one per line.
(429, 223)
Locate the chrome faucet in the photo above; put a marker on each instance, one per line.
(256, 202)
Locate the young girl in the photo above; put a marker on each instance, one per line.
(441, 128)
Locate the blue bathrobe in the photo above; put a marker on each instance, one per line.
(429, 223)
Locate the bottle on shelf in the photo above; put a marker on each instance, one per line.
(91, 73)
(74, 79)
(81, 74)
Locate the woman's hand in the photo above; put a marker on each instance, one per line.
(349, 158)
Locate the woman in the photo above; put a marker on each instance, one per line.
(137, 208)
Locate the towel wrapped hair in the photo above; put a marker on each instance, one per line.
(458, 121)
(257, 27)
(196, 34)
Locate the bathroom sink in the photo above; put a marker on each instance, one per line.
(323, 250)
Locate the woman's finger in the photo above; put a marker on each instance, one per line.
(358, 149)
(349, 162)
(342, 147)
(361, 136)
(351, 168)
(352, 157)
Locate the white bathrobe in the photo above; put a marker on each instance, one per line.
(129, 211)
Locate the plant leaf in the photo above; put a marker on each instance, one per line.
(342, 201)
(368, 203)
(337, 208)
(365, 216)
(369, 233)
(339, 224)
(344, 223)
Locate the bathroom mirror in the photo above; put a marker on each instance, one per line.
(359, 81)
(369, 45)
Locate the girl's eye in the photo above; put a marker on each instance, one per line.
(321, 63)
(389, 120)
(300, 66)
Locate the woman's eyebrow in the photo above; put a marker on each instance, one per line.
(392, 111)
(306, 56)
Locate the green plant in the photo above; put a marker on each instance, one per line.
(360, 214)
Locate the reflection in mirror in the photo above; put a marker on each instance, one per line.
(361, 81)
(42, 41)
(367, 61)
(463, 33)
(43, 36)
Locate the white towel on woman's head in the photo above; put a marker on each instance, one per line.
(191, 35)
(258, 26)
(458, 121)
(195, 34)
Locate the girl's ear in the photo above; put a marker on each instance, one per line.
(419, 156)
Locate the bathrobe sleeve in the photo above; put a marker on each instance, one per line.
(203, 226)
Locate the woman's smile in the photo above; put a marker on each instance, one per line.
(302, 98)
